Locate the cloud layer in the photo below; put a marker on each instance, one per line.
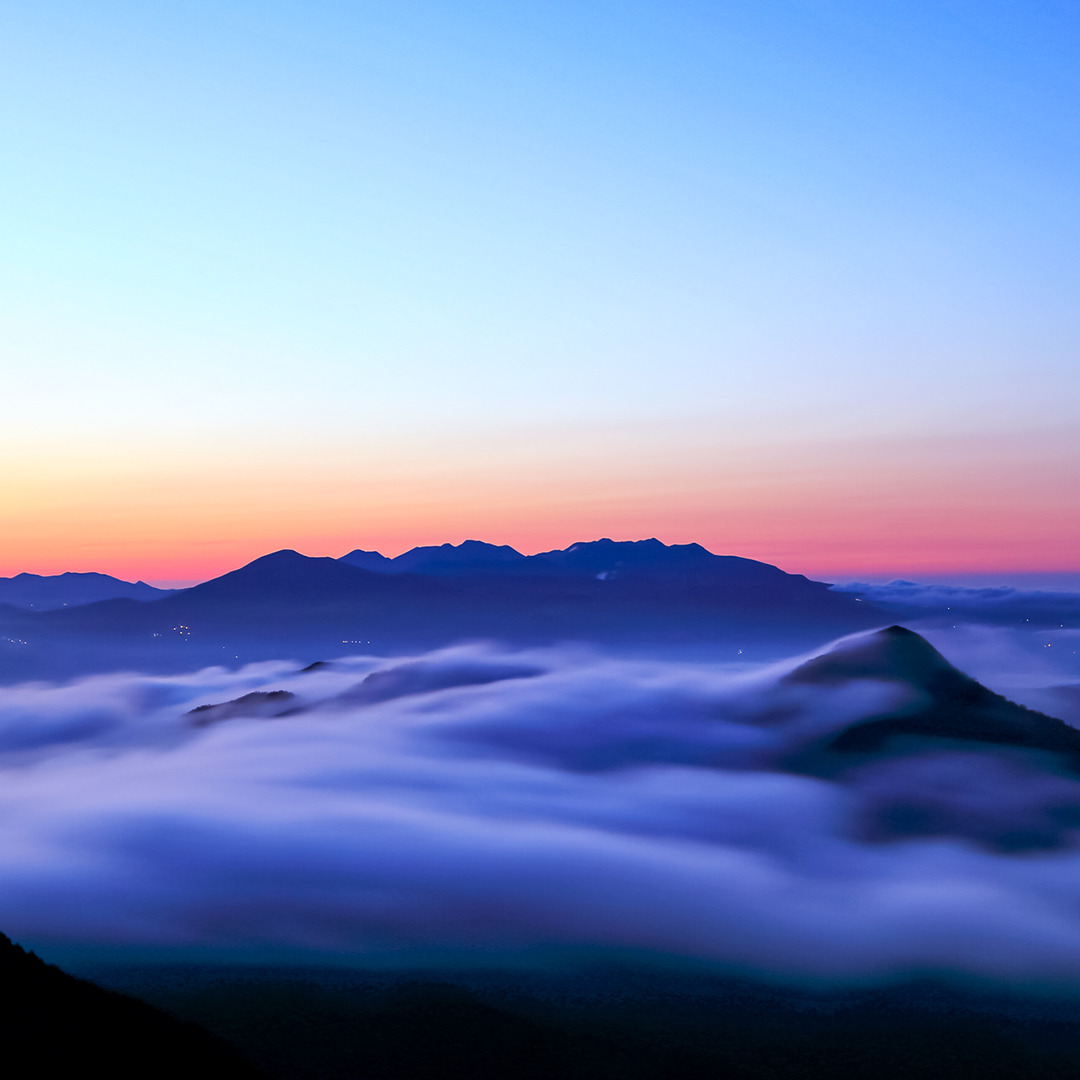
(477, 803)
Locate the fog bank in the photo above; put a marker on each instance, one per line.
(478, 804)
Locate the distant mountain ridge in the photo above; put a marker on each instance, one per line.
(642, 595)
(604, 559)
(47, 592)
(445, 560)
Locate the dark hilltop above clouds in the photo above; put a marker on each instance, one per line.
(944, 708)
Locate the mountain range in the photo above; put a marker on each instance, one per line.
(44, 593)
(632, 594)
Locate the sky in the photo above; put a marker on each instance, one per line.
(794, 280)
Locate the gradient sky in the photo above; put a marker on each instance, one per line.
(797, 280)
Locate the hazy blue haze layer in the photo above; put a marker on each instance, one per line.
(475, 805)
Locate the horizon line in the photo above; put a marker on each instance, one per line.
(970, 576)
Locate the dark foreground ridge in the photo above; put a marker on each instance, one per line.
(636, 1024)
(53, 1024)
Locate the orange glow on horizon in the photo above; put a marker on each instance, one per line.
(818, 544)
(825, 510)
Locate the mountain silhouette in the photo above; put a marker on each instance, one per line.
(613, 557)
(444, 560)
(946, 706)
(615, 1023)
(641, 595)
(69, 590)
(58, 1025)
(261, 703)
(603, 559)
(369, 560)
(894, 653)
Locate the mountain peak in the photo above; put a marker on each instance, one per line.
(468, 557)
(285, 569)
(616, 558)
(892, 653)
(946, 707)
(368, 560)
(281, 555)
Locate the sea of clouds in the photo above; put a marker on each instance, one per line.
(478, 804)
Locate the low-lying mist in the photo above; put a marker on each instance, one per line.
(476, 805)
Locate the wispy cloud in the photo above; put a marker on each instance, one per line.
(496, 802)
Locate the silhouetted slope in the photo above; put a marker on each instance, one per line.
(632, 1025)
(54, 1025)
(285, 574)
(69, 590)
(947, 705)
(262, 703)
(268, 596)
(287, 595)
(894, 653)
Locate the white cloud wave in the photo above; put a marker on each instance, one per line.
(537, 800)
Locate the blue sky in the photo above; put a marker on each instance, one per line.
(291, 235)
